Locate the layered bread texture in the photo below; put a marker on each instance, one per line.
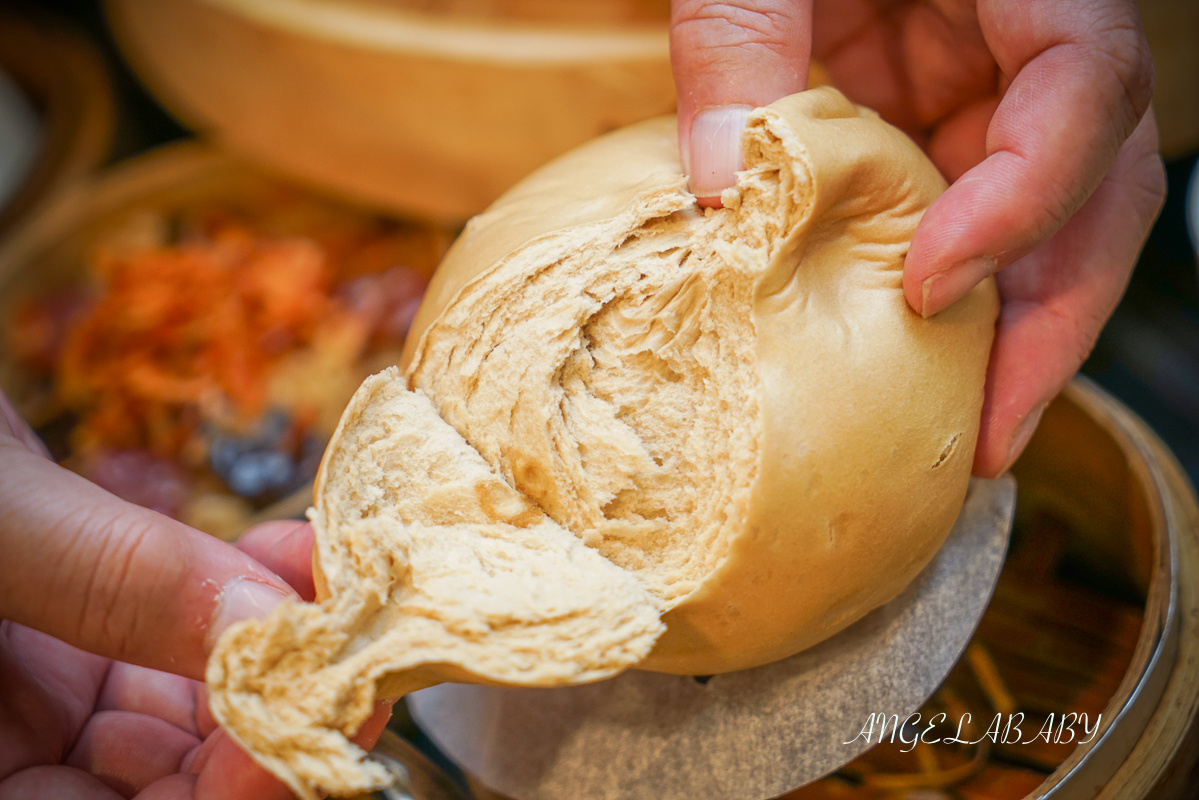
(631, 433)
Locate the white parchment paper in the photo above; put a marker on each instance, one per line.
(746, 735)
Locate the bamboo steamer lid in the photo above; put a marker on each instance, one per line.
(424, 112)
(435, 107)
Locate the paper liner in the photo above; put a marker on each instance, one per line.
(741, 736)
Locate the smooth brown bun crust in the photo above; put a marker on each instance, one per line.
(755, 373)
(620, 411)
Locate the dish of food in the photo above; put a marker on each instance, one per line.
(200, 358)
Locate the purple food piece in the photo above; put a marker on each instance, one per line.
(140, 477)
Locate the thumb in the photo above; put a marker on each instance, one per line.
(728, 58)
(115, 579)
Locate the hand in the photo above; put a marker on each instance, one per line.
(109, 611)
(1038, 114)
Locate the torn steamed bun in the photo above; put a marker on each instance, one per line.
(631, 433)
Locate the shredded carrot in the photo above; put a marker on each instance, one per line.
(196, 326)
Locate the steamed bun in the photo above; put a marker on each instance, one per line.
(632, 433)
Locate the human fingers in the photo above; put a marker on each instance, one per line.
(915, 63)
(171, 698)
(180, 786)
(1056, 300)
(728, 58)
(227, 773)
(959, 142)
(285, 548)
(39, 783)
(12, 424)
(128, 751)
(1081, 79)
(115, 579)
(48, 690)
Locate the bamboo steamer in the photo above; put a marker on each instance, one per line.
(396, 103)
(1100, 467)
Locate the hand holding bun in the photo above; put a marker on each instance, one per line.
(618, 407)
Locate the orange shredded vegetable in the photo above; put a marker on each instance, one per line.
(188, 334)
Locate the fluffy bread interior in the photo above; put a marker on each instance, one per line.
(438, 570)
(632, 421)
(615, 385)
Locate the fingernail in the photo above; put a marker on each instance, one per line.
(241, 599)
(716, 148)
(1023, 434)
(943, 289)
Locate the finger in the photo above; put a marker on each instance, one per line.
(173, 787)
(372, 729)
(959, 142)
(728, 58)
(128, 751)
(285, 548)
(205, 722)
(1056, 300)
(225, 772)
(171, 698)
(115, 579)
(12, 424)
(1082, 81)
(47, 692)
(39, 783)
(915, 63)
